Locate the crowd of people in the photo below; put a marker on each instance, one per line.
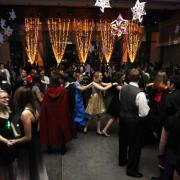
(49, 108)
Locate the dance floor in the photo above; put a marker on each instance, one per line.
(92, 157)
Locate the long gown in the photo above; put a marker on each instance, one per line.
(30, 165)
(114, 106)
(80, 116)
(96, 104)
(7, 154)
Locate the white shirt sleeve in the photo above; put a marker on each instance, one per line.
(141, 103)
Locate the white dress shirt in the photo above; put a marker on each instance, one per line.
(141, 102)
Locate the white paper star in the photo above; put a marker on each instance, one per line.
(138, 11)
(8, 31)
(3, 23)
(12, 15)
(1, 38)
(103, 4)
(119, 26)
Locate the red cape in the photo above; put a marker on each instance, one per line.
(55, 125)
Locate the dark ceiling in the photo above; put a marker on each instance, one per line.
(157, 10)
(151, 4)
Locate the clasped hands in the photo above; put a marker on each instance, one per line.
(10, 142)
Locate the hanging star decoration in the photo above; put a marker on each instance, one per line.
(1, 38)
(103, 4)
(3, 23)
(12, 15)
(8, 31)
(119, 26)
(138, 11)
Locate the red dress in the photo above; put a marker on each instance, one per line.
(55, 126)
(159, 92)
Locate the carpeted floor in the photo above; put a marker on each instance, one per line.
(93, 157)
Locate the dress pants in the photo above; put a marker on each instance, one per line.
(130, 142)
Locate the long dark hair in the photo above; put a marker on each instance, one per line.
(23, 98)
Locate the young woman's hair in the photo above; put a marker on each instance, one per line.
(118, 77)
(77, 75)
(55, 79)
(96, 76)
(160, 78)
(36, 79)
(23, 98)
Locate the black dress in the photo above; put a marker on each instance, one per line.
(114, 106)
(30, 162)
(7, 154)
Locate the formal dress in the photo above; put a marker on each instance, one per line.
(114, 105)
(30, 165)
(80, 116)
(7, 154)
(95, 104)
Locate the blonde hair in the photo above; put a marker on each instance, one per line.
(4, 109)
(96, 76)
(160, 78)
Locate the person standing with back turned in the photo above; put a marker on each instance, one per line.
(133, 107)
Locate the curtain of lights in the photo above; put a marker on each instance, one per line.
(58, 32)
(99, 48)
(32, 26)
(83, 33)
(107, 40)
(133, 39)
(124, 51)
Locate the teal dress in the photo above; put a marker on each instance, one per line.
(80, 116)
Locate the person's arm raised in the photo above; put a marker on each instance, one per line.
(96, 85)
(105, 84)
(84, 88)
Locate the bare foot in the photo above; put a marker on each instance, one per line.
(105, 133)
(85, 130)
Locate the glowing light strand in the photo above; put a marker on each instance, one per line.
(133, 39)
(32, 26)
(58, 31)
(83, 34)
(107, 40)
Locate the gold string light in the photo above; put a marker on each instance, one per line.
(83, 33)
(124, 51)
(107, 40)
(31, 27)
(133, 39)
(58, 31)
(99, 49)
